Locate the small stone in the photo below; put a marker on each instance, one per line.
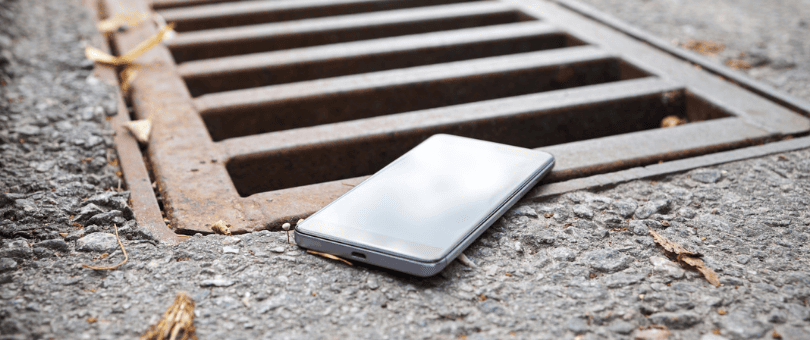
(706, 175)
(621, 327)
(639, 228)
(231, 240)
(279, 249)
(491, 306)
(28, 130)
(372, 283)
(563, 254)
(582, 211)
(625, 208)
(619, 280)
(230, 250)
(675, 320)
(607, 260)
(217, 281)
(45, 166)
(97, 242)
(18, 249)
(107, 218)
(86, 212)
(777, 316)
(75, 235)
(7, 265)
(667, 268)
(686, 213)
(652, 207)
(743, 324)
(54, 244)
(522, 211)
(577, 325)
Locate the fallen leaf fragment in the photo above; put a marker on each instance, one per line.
(670, 121)
(466, 261)
(740, 65)
(92, 320)
(177, 320)
(698, 264)
(221, 228)
(100, 56)
(140, 129)
(126, 257)
(668, 245)
(130, 19)
(329, 256)
(704, 47)
(655, 332)
(686, 257)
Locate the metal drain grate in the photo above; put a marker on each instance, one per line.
(265, 111)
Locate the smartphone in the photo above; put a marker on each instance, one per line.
(420, 212)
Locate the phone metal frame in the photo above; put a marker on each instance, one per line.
(410, 266)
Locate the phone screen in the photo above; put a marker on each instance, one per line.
(427, 201)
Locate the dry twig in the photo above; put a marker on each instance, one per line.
(126, 257)
(128, 58)
(178, 318)
(329, 256)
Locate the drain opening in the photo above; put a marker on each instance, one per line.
(455, 88)
(349, 158)
(166, 4)
(360, 255)
(221, 15)
(263, 38)
(201, 80)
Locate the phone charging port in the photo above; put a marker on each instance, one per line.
(360, 255)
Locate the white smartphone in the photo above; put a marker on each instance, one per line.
(420, 212)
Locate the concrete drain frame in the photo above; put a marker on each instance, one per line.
(329, 92)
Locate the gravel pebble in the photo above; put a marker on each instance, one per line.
(97, 242)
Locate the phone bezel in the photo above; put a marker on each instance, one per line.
(410, 265)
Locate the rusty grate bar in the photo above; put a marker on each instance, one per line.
(272, 68)
(225, 42)
(259, 12)
(288, 115)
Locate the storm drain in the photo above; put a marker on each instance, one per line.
(265, 111)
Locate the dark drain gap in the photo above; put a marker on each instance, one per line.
(368, 102)
(333, 67)
(166, 4)
(238, 46)
(359, 157)
(259, 12)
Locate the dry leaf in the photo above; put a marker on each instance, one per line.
(129, 19)
(329, 256)
(466, 261)
(177, 320)
(668, 245)
(698, 264)
(670, 121)
(140, 129)
(704, 47)
(687, 258)
(221, 228)
(100, 56)
(739, 65)
(653, 334)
